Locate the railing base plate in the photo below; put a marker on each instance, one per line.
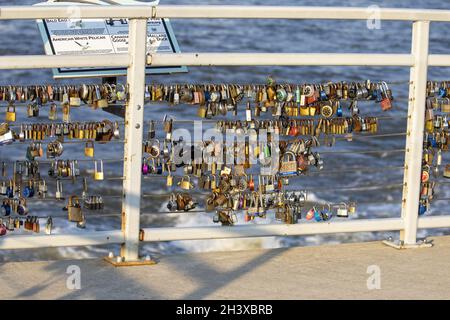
(141, 262)
(400, 245)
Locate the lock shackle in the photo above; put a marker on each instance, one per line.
(73, 201)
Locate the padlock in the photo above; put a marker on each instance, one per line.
(447, 171)
(100, 100)
(202, 110)
(326, 110)
(59, 190)
(89, 149)
(22, 209)
(185, 183)
(53, 112)
(66, 112)
(151, 130)
(351, 208)
(326, 213)
(3, 229)
(98, 171)
(28, 191)
(74, 98)
(386, 103)
(3, 188)
(310, 214)
(49, 225)
(6, 207)
(42, 189)
(342, 211)
(248, 112)
(10, 113)
(288, 165)
(75, 213)
(445, 105)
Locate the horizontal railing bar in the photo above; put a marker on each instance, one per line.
(439, 60)
(219, 12)
(243, 231)
(434, 222)
(81, 11)
(294, 12)
(12, 242)
(279, 59)
(63, 61)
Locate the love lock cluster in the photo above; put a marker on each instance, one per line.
(436, 141)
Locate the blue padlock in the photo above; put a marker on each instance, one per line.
(6, 208)
(317, 215)
(378, 95)
(10, 192)
(422, 209)
(326, 213)
(432, 141)
(207, 96)
(28, 192)
(323, 95)
(339, 111)
(159, 168)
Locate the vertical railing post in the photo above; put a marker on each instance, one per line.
(134, 118)
(415, 131)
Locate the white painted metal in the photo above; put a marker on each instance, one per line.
(439, 60)
(173, 234)
(229, 12)
(63, 61)
(279, 59)
(280, 12)
(415, 131)
(11, 242)
(434, 222)
(242, 231)
(134, 123)
(82, 11)
(136, 60)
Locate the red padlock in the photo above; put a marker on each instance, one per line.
(2, 229)
(386, 101)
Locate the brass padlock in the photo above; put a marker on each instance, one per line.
(10, 113)
(185, 183)
(98, 171)
(201, 112)
(74, 210)
(89, 149)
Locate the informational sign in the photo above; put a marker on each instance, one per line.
(98, 36)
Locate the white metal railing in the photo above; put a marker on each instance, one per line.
(418, 60)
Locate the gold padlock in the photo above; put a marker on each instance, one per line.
(74, 99)
(201, 112)
(98, 172)
(185, 183)
(11, 113)
(89, 149)
(169, 181)
(304, 111)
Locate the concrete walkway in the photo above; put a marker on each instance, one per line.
(325, 272)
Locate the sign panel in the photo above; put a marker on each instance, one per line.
(98, 36)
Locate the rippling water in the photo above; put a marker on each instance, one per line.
(22, 37)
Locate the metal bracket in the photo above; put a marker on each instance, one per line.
(399, 244)
(118, 261)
